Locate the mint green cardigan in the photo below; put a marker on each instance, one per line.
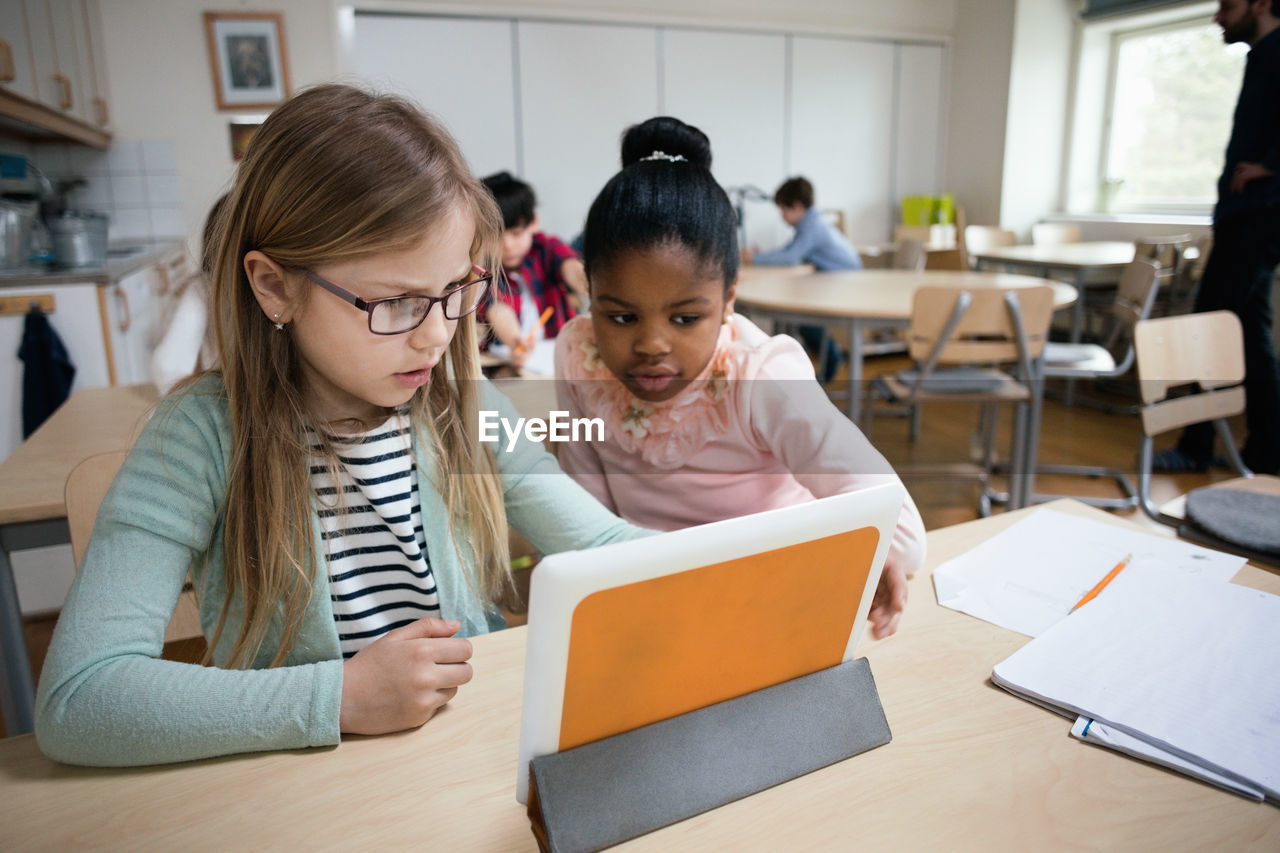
(105, 698)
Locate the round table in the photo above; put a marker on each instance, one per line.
(871, 299)
(867, 298)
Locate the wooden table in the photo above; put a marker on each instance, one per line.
(1098, 262)
(866, 299)
(34, 514)
(970, 767)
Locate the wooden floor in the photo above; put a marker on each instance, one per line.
(1081, 434)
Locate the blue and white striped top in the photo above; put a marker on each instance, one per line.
(371, 520)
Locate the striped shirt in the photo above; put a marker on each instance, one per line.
(371, 522)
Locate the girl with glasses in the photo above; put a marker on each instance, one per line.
(324, 487)
(706, 417)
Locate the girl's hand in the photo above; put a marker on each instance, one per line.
(402, 678)
(890, 600)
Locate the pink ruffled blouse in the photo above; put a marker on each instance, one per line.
(754, 431)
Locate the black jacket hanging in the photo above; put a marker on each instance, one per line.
(48, 371)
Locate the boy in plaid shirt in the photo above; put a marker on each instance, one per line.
(541, 272)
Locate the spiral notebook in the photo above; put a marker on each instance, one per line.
(1184, 664)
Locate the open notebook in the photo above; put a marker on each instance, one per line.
(1180, 663)
(637, 632)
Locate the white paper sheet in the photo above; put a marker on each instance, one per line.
(1100, 734)
(1029, 576)
(1186, 664)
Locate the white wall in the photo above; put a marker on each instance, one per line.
(1039, 80)
(981, 56)
(160, 83)
(896, 17)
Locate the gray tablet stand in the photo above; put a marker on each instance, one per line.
(603, 793)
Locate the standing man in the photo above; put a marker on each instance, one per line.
(1246, 239)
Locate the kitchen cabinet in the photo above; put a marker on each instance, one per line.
(17, 74)
(52, 73)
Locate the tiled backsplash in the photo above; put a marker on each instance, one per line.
(134, 182)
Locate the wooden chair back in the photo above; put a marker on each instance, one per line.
(1179, 296)
(909, 255)
(946, 259)
(87, 485)
(1135, 296)
(1205, 351)
(980, 238)
(990, 325)
(835, 216)
(1054, 233)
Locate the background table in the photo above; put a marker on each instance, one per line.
(866, 299)
(34, 514)
(1098, 262)
(970, 767)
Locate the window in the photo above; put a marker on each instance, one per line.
(1169, 116)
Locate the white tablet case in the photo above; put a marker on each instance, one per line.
(848, 534)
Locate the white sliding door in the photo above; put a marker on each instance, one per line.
(842, 128)
(460, 70)
(918, 167)
(581, 86)
(733, 87)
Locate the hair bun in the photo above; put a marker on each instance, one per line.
(669, 137)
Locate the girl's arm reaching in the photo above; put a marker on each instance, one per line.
(792, 416)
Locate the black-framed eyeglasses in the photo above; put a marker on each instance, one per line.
(396, 315)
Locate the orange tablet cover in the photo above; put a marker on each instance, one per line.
(647, 651)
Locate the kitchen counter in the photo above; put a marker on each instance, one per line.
(121, 261)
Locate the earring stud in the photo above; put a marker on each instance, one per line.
(279, 325)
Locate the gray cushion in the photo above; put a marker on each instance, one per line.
(1243, 518)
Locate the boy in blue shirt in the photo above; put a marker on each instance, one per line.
(816, 242)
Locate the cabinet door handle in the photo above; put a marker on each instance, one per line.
(64, 85)
(104, 116)
(7, 71)
(126, 317)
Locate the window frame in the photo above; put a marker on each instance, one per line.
(1117, 37)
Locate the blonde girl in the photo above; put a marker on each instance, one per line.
(324, 487)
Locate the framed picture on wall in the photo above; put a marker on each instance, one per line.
(247, 53)
(241, 132)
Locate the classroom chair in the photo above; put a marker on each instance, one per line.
(973, 345)
(909, 255)
(956, 257)
(1054, 233)
(86, 486)
(1110, 359)
(1191, 370)
(1168, 252)
(1179, 297)
(980, 238)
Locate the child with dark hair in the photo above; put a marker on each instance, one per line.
(541, 272)
(706, 417)
(816, 242)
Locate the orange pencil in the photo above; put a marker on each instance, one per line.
(542, 321)
(1111, 575)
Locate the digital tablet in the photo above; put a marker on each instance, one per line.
(636, 632)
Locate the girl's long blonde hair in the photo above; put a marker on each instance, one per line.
(338, 173)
